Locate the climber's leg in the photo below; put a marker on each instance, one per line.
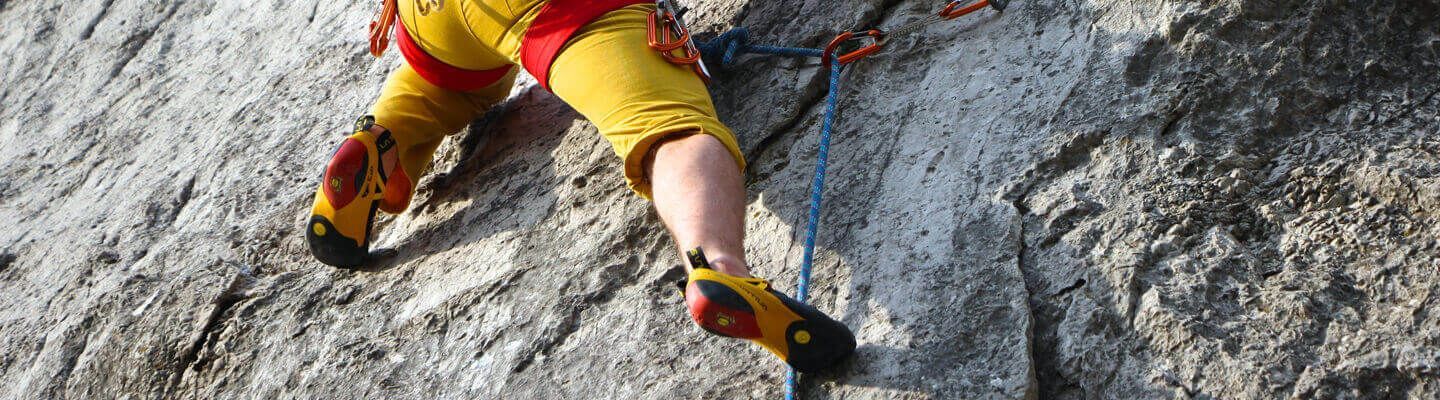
(638, 100)
(421, 115)
(376, 168)
(700, 195)
(659, 115)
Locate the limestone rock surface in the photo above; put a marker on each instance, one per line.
(1072, 199)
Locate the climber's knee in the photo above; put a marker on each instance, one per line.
(639, 151)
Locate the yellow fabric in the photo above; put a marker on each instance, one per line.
(606, 72)
(610, 75)
(419, 115)
(470, 34)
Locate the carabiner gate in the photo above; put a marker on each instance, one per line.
(875, 36)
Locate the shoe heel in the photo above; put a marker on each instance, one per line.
(720, 310)
(330, 247)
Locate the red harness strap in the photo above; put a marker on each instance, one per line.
(557, 22)
(439, 73)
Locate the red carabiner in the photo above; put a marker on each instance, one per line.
(954, 10)
(877, 40)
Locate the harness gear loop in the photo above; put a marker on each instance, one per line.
(381, 27)
(877, 41)
(667, 33)
(954, 10)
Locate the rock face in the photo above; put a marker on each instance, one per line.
(1085, 199)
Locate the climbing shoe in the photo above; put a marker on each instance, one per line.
(355, 184)
(748, 308)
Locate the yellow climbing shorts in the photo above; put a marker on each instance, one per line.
(606, 71)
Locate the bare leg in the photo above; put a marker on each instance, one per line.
(700, 195)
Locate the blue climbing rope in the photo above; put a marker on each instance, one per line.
(817, 188)
(735, 42)
(724, 49)
(817, 185)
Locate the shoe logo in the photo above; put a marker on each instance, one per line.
(802, 337)
(335, 184)
(384, 142)
(723, 320)
(427, 6)
(319, 229)
(754, 295)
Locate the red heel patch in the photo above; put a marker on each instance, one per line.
(345, 174)
(720, 310)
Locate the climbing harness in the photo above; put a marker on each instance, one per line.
(439, 73)
(553, 26)
(845, 48)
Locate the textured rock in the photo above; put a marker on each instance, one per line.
(1075, 200)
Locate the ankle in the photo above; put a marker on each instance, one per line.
(390, 158)
(730, 266)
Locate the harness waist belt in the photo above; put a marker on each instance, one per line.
(557, 21)
(439, 73)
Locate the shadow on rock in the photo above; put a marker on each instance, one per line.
(502, 176)
(928, 279)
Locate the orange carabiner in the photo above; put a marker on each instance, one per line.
(954, 10)
(876, 36)
(666, 36)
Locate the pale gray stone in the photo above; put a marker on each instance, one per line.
(1084, 199)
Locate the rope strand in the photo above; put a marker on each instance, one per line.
(817, 189)
(724, 49)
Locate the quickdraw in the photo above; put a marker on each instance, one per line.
(954, 10)
(878, 38)
(381, 27)
(667, 34)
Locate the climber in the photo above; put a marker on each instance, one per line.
(460, 59)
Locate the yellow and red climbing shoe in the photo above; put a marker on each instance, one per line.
(748, 308)
(353, 187)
